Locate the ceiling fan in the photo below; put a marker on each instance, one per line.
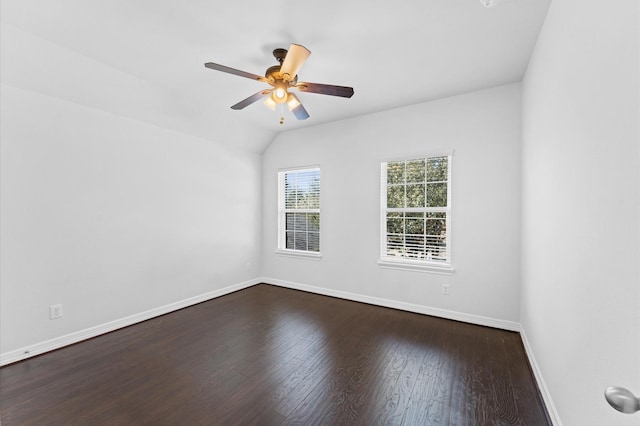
(282, 78)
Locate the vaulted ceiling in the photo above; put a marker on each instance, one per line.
(392, 53)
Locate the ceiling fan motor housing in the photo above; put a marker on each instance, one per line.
(273, 75)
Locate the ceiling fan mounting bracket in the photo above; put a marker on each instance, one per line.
(280, 54)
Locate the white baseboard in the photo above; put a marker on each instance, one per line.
(404, 306)
(544, 391)
(59, 342)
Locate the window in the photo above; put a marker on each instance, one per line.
(416, 213)
(299, 211)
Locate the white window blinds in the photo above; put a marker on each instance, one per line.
(299, 210)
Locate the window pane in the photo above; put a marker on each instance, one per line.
(414, 215)
(436, 215)
(395, 245)
(395, 172)
(314, 241)
(290, 221)
(415, 226)
(302, 199)
(436, 248)
(415, 195)
(300, 222)
(302, 189)
(395, 223)
(415, 171)
(290, 240)
(437, 169)
(415, 246)
(436, 227)
(395, 196)
(314, 193)
(436, 195)
(313, 222)
(301, 241)
(289, 196)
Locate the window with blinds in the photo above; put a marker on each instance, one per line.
(416, 211)
(299, 210)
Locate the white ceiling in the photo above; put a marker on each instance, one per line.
(392, 53)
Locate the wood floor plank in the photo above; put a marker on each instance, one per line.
(273, 356)
(429, 402)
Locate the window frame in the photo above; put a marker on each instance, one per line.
(395, 262)
(283, 210)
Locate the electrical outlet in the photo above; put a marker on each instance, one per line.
(445, 289)
(55, 311)
(248, 266)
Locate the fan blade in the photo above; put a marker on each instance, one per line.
(296, 57)
(251, 99)
(234, 71)
(295, 106)
(325, 89)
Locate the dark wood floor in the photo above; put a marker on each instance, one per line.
(270, 356)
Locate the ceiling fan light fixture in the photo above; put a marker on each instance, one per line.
(270, 103)
(292, 102)
(279, 94)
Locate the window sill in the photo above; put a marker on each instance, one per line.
(299, 254)
(416, 266)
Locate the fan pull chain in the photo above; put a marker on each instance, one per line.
(282, 120)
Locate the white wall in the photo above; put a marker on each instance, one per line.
(110, 216)
(484, 130)
(581, 187)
